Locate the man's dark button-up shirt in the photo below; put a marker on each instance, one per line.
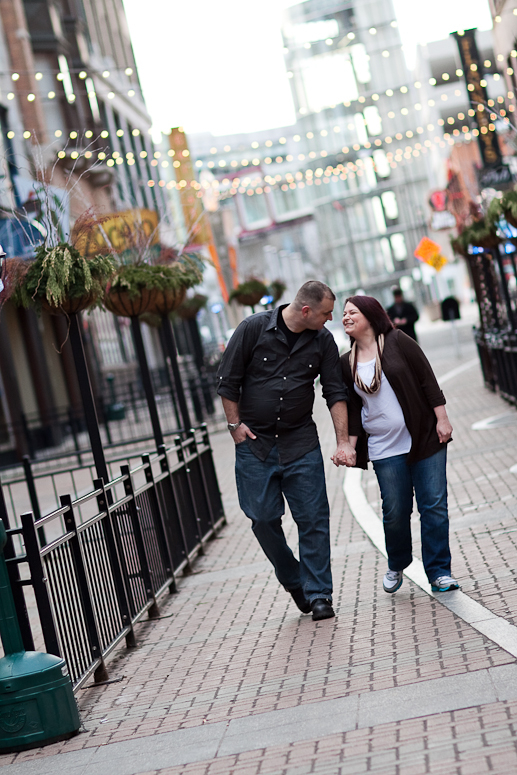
(275, 387)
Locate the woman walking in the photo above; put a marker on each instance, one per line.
(397, 419)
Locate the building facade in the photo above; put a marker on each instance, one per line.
(76, 140)
(453, 164)
(348, 182)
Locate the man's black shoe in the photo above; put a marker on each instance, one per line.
(300, 600)
(322, 609)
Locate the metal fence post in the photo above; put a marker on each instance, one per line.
(33, 495)
(27, 434)
(14, 578)
(171, 352)
(184, 550)
(39, 584)
(73, 427)
(146, 379)
(90, 411)
(154, 610)
(210, 480)
(158, 521)
(199, 357)
(120, 589)
(101, 674)
(181, 457)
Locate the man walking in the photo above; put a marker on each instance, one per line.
(403, 314)
(266, 381)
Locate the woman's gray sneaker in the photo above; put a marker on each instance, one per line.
(444, 584)
(392, 580)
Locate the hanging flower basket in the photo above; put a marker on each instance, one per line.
(249, 293)
(71, 306)
(152, 301)
(61, 280)
(277, 289)
(153, 289)
(489, 242)
(481, 234)
(458, 247)
(189, 308)
(510, 218)
(125, 305)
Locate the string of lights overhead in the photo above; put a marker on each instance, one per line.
(31, 97)
(260, 184)
(164, 160)
(302, 177)
(501, 115)
(357, 104)
(264, 184)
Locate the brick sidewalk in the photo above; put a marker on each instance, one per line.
(231, 649)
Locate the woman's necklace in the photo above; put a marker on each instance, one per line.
(377, 374)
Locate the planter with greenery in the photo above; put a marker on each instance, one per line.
(481, 234)
(458, 247)
(277, 289)
(249, 292)
(60, 280)
(151, 288)
(190, 306)
(509, 207)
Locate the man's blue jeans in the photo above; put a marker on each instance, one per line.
(427, 478)
(260, 485)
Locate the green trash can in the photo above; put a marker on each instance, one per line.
(37, 703)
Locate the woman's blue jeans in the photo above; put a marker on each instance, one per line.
(261, 486)
(427, 478)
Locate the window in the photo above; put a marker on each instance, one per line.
(373, 120)
(328, 79)
(360, 128)
(378, 214)
(386, 252)
(389, 202)
(255, 208)
(314, 31)
(361, 62)
(382, 167)
(398, 245)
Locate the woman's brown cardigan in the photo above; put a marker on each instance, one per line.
(410, 375)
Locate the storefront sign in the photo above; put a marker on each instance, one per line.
(495, 177)
(129, 230)
(441, 218)
(473, 72)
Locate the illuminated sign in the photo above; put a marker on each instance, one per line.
(472, 68)
(121, 232)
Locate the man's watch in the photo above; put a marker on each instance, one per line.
(232, 426)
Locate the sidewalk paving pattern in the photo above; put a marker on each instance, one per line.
(234, 680)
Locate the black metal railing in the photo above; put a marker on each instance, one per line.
(95, 577)
(123, 416)
(498, 357)
(492, 273)
(36, 485)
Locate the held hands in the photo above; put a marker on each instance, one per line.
(344, 455)
(240, 433)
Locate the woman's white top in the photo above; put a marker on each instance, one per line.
(382, 417)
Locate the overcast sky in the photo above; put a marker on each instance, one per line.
(218, 66)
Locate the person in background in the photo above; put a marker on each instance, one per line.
(397, 419)
(266, 382)
(403, 314)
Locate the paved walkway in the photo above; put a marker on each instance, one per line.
(233, 679)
